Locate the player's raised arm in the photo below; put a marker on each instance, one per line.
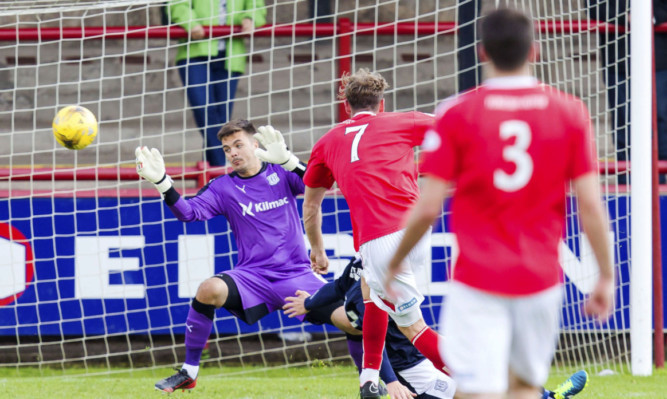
(276, 150)
(312, 222)
(595, 225)
(150, 166)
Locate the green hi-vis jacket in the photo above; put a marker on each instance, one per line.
(190, 13)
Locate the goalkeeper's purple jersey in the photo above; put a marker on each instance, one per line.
(262, 213)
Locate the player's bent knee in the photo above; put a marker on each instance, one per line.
(412, 330)
(340, 320)
(324, 314)
(212, 291)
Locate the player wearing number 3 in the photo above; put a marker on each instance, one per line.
(371, 158)
(510, 148)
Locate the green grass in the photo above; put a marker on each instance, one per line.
(306, 382)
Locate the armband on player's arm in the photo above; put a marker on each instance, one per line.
(386, 371)
(326, 295)
(276, 150)
(150, 166)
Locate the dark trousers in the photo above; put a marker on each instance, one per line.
(320, 10)
(661, 96)
(211, 90)
(469, 67)
(618, 93)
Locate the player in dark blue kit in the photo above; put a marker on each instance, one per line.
(401, 361)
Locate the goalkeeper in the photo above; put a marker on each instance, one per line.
(259, 201)
(410, 367)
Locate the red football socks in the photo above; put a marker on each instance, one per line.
(426, 341)
(374, 332)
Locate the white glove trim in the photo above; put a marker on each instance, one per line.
(164, 184)
(291, 163)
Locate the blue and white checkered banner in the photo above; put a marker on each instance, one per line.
(116, 265)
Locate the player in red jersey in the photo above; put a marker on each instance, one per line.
(510, 169)
(371, 158)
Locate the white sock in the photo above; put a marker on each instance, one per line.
(192, 370)
(369, 375)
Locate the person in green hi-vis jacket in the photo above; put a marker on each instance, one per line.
(210, 68)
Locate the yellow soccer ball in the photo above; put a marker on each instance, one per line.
(75, 127)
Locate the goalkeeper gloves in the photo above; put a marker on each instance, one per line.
(150, 166)
(276, 149)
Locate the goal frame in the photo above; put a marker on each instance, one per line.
(643, 191)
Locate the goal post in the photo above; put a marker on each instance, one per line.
(641, 183)
(99, 274)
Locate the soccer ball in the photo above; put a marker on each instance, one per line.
(75, 127)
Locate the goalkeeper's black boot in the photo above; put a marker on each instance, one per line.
(370, 390)
(180, 380)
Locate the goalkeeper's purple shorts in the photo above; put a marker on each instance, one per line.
(261, 296)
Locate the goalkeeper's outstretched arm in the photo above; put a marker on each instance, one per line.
(150, 166)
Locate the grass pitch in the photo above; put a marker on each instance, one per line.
(304, 382)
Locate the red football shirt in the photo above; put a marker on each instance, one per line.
(510, 147)
(371, 158)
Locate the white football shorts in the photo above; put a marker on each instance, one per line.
(375, 256)
(426, 379)
(486, 335)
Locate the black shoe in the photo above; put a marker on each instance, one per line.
(370, 390)
(382, 389)
(180, 380)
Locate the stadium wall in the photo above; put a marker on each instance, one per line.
(102, 271)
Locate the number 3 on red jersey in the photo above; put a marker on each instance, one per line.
(516, 154)
(357, 137)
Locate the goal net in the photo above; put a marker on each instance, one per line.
(98, 274)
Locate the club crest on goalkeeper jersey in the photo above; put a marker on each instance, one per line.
(262, 213)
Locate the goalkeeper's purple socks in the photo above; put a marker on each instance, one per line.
(356, 349)
(197, 330)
